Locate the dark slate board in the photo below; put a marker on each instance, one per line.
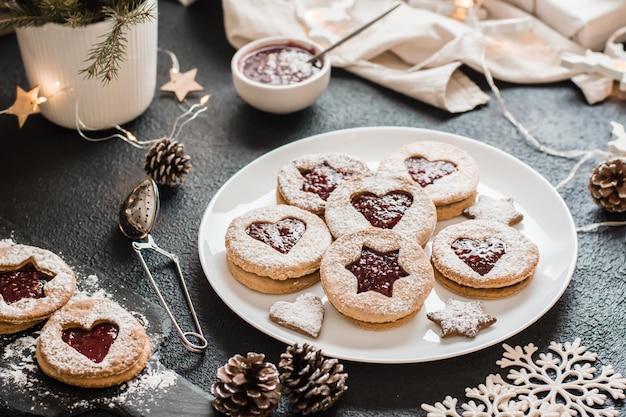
(156, 391)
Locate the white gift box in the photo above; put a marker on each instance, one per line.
(588, 23)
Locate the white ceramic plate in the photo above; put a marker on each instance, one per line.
(547, 222)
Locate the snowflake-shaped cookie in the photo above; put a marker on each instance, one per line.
(491, 208)
(558, 385)
(461, 317)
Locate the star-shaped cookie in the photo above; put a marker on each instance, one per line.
(460, 317)
(491, 208)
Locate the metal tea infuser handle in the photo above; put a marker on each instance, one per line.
(137, 216)
(184, 336)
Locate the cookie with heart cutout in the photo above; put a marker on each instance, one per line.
(34, 283)
(448, 173)
(92, 343)
(376, 278)
(483, 259)
(276, 249)
(308, 181)
(383, 201)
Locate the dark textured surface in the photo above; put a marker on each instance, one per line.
(67, 191)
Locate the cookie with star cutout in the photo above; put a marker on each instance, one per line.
(376, 278)
(34, 283)
(493, 208)
(461, 318)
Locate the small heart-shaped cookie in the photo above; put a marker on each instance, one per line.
(304, 315)
(384, 212)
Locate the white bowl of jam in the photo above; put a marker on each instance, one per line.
(275, 74)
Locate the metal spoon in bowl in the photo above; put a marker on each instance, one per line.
(353, 34)
(137, 217)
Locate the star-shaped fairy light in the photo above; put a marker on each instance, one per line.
(182, 83)
(461, 317)
(376, 271)
(500, 209)
(26, 103)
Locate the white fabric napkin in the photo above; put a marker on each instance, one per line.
(418, 52)
(588, 23)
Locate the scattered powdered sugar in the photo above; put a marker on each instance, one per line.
(6, 242)
(89, 287)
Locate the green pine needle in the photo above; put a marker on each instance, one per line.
(106, 56)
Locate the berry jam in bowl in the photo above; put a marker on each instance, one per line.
(274, 74)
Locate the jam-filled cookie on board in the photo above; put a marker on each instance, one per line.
(92, 343)
(308, 181)
(376, 278)
(276, 249)
(483, 259)
(447, 173)
(383, 201)
(34, 283)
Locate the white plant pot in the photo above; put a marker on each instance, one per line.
(53, 56)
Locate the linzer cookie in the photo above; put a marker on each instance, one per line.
(92, 343)
(276, 249)
(308, 181)
(483, 259)
(383, 201)
(34, 283)
(377, 278)
(447, 173)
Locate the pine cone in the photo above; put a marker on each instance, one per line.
(312, 382)
(167, 163)
(248, 387)
(607, 185)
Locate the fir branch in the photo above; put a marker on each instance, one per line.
(106, 56)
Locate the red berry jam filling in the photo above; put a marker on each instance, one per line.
(425, 172)
(25, 282)
(480, 256)
(322, 180)
(280, 65)
(282, 235)
(94, 343)
(384, 212)
(376, 271)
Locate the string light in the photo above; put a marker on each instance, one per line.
(27, 103)
(618, 132)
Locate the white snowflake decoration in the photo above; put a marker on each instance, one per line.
(560, 385)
